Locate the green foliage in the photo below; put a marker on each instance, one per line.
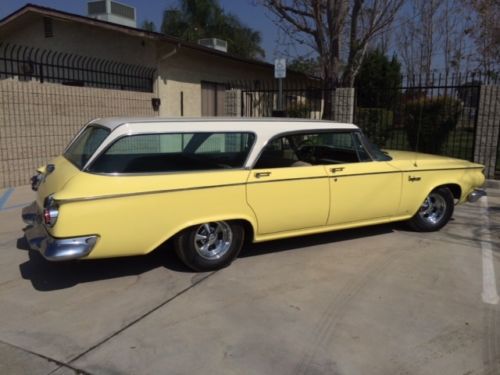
(196, 19)
(301, 110)
(148, 25)
(304, 65)
(376, 80)
(429, 122)
(376, 123)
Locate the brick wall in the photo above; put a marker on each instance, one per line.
(38, 120)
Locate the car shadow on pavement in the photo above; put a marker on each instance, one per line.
(48, 276)
(253, 249)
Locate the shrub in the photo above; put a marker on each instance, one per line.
(300, 110)
(429, 121)
(376, 123)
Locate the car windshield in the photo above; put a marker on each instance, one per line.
(375, 150)
(85, 145)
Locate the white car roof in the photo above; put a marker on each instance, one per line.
(184, 124)
(263, 128)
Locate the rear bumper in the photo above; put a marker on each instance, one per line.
(476, 194)
(53, 249)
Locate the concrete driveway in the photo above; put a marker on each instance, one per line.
(379, 300)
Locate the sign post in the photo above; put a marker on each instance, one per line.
(279, 74)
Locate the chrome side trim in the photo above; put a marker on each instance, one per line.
(476, 194)
(55, 249)
(112, 196)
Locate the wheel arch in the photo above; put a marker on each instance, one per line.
(455, 189)
(248, 224)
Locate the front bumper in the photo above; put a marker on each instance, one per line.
(54, 249)
(476, 194)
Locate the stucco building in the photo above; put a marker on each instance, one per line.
(190, 79)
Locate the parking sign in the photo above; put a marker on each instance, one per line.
(280, 68)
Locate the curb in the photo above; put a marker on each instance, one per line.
(493, 184)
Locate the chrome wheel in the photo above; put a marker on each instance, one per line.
(213, 240)
(433, 209)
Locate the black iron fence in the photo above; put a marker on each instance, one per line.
(30, 63)
(435, 114)
(261, 99)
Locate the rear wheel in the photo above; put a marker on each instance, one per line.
(435, 211)
(210, 246)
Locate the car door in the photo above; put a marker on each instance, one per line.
(361, 189)
(286, 193)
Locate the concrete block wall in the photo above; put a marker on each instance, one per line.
(38, 120)
(488, 128)
(343, 104)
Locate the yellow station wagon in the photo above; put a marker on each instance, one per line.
(124, 186)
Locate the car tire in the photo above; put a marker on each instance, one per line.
(209, 246)
(435, 211)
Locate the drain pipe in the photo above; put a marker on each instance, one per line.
(160, 60)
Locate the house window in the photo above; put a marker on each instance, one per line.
(48, 27)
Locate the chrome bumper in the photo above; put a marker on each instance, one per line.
(476, 194)
(54, 249)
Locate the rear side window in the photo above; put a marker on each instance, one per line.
(85, 145)
(175, 152)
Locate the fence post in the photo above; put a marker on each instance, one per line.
(488, 128)
(343, 104)
(232, 103)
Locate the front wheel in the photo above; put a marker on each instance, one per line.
(209, 246)
(435, 211)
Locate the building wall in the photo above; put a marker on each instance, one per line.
(83, 40)
(37, 120)
(184, 72)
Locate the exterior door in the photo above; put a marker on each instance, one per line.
(361, 189)
(212, 99)
(285, 193)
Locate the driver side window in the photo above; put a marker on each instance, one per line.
(296, 150)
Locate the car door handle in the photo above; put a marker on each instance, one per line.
(262, 174)
(335, 170)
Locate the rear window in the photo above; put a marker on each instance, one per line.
(175, 152)
(85, 145)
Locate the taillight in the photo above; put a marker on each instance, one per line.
(51, 212)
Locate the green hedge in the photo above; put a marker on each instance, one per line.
(300, 110)
(376, 123)
(429, 121)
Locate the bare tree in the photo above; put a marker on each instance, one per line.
(418, 36)
(339, 31)
(485, 32)
(449, 36)
(452, 27)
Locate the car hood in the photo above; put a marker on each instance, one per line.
(417, 160)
